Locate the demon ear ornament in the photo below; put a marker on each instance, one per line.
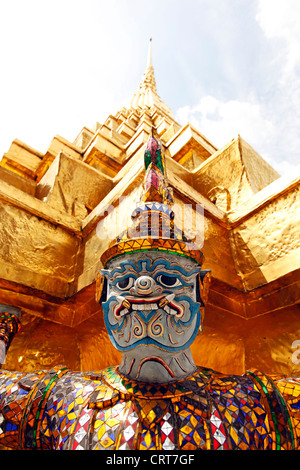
(101, 287)
(204, 284)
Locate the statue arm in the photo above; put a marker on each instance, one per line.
(18, 391)
(289, 389)
(2, 351)
(9, 381)
(9, 327)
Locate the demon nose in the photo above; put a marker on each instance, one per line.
(144, 285)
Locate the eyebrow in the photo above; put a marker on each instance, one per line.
(148, 265)
(121, 269)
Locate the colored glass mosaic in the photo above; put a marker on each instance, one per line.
(62, 410)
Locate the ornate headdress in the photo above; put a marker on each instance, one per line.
(153, 227)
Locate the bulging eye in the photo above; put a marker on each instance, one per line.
(125, 284)
(169, 281)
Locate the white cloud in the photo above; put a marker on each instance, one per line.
(285, 168)
(270, 123)
(281, 19)
(60, 67)
(220, 121)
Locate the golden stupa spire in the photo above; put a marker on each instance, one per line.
(146, 94)
(148, 80)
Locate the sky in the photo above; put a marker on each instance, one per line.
(228, 67)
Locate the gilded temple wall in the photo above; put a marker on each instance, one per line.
(244, 327)
(267, 242)
(35, 252)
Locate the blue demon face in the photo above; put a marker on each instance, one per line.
(152, 299)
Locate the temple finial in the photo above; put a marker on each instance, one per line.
(146, 95)
(149, 58)
(148, 80)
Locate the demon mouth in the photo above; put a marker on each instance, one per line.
(129, 304)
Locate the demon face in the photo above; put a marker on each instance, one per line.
(152, 299)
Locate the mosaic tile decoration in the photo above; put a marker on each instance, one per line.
(60, 409)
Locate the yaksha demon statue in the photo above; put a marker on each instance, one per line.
(153, 292)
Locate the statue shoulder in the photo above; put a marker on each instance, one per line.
(14, 384)
(219, 381)
(105, 393)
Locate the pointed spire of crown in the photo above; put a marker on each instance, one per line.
(153, 227)
(155, 188)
